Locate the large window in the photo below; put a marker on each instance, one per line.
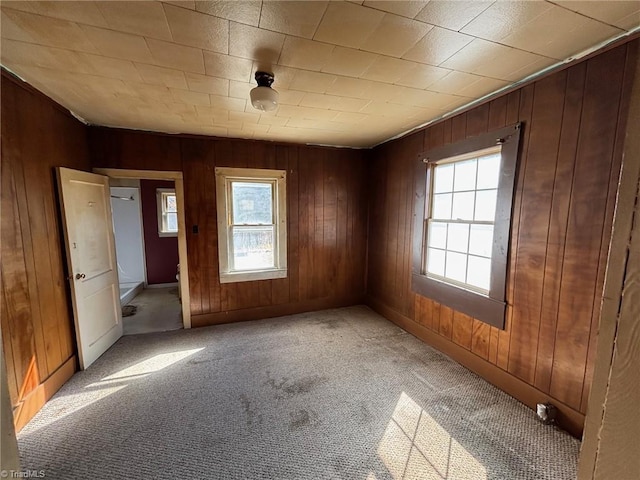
(167, 212)
(252, 222)
(463, 220)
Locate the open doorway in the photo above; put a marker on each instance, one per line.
(145, 222)
(148, 217)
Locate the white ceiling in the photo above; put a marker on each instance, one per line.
(348, 73)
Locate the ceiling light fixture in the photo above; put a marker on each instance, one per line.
(263, 97)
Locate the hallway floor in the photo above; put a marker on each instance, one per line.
(334, 394)
(158, 310)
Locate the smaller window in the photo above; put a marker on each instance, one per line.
(167, 212)
(252, 223)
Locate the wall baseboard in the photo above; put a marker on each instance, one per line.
(568, 419)
(32, 403)
(162, 285)
(271, 311)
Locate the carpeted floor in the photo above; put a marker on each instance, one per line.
(337, 394)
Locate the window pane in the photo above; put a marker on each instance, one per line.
(437, 235)
(171, 205)
(172, 222)
(456, 266)
(442, 206)
(252, 203)
(253, 248)
(435, 261)
(463, 206)
(488, 171)
(443, 180)
(465, 177)
(458, 238)
(481, 240)
(479, 273)
(486, 205)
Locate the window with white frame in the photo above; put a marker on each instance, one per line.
(252, 224)
(461, 220)
(167, 212)
(464, 194)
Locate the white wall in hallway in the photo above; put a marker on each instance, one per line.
(127, 222)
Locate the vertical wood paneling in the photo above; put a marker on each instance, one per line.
(541, 154)
(626, 95)
(587, 212)
(326, 219)
(563, 206)
(37, 135)
(561, 196)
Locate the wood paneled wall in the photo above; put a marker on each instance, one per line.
(37, 328)
(327, 219)
(564, 203)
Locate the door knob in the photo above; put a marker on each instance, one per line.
(80, 276)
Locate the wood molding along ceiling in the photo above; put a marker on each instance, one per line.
(348, 73)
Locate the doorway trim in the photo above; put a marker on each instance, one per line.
(182, 234)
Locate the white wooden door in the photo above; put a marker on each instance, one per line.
(91, 257)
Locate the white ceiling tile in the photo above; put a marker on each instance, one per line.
(246, 11)
(189, 67)
(257, 44)
(189, 97)
(395, 35)
(492, 60)
(207, 84)
(46, 31)
(297, 18)
(240, 89)
(290, 97)
(348, 24)
(80, 12)
(155, 75)
(351, 87)
(140, 18)
(227, 103)
(567, 33)
(190, 4)
(225, 66)
(118, 44)
(16, 53)
(437, 46)
(422, 76)
(403, 8)
(110, 67)
(503, 18)
(348, 62)
(452, 14)
(312, 81)
(197, 29)
(389, 69)
(619, 13)
(306, 54)
(170, 55)
(518, 24)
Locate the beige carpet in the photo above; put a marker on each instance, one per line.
(337, 394)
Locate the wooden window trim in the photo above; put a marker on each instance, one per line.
(489, 309)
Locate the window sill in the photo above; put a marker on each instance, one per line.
(249, 276)
(167, 234)
(476, 305)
